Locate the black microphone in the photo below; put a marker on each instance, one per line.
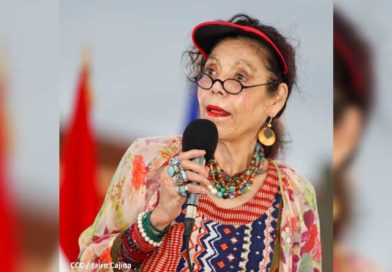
(199, 134)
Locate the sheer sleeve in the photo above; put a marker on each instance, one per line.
(132, 190)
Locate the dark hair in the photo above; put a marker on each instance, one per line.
(273, 65)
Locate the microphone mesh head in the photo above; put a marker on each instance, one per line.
(201, 134)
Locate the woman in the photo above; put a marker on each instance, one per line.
(254, 214)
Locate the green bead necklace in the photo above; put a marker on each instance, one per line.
(225, 186)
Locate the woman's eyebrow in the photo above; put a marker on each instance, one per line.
(214, 58)
(242, 61)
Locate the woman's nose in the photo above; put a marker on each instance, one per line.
(217, 87)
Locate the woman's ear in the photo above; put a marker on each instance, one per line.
(277, 101)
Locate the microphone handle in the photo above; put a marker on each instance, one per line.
(192, 200)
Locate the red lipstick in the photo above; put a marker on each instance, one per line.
(216, 111)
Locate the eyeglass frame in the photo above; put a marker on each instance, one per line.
(222, 82)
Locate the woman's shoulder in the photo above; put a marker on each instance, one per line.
(153, 148)
(155, 143)
(294, 182)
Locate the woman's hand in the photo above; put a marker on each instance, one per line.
(170, 202)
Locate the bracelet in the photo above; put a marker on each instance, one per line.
(130, 251)
(132, 246)
(139, 240)
(137, 257)
(146, 223)
(124, 256)
(148, 231)
(160, 232)
(152, 239)
(129, 242)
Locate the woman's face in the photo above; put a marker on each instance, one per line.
(240, 59)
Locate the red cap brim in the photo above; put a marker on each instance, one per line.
(205, 36)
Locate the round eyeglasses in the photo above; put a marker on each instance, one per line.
(230, 85)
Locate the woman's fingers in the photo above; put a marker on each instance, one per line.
(193, 188)
(197, 178)
(194, 172)
(191, 177)
(191, 154)
(189, 165)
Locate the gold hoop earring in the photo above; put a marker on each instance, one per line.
(267, 135)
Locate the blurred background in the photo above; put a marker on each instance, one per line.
(29, 141)
(362, 133)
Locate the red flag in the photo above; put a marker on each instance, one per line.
(78, 189)
(8, 245)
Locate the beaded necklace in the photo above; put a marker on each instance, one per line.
(225, 186)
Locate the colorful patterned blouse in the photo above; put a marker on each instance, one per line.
(239, 239)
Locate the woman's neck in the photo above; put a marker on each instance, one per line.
(234, 156)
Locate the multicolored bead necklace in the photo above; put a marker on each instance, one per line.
(225, 186)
